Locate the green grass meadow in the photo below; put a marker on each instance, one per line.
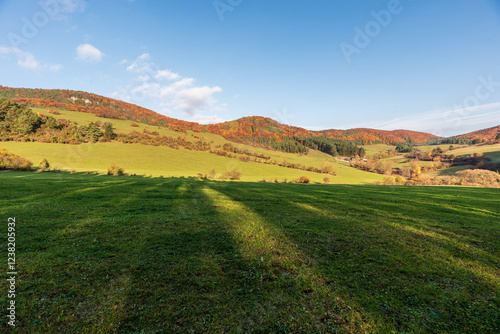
(101, 254)
(491, 151)
(163, 161)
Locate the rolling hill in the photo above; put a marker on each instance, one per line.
(66, 139)
(259, 147)
(247, 129)
(489, 134)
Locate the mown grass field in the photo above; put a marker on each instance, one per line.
(100, 254)
(163, 161)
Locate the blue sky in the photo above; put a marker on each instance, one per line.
(421, 65)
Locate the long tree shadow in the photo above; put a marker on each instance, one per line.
(181, 279)
(193, 274)
(357, 237)
(139, 255)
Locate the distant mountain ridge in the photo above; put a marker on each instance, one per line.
(255, 129)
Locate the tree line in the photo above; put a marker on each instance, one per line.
(333, 147)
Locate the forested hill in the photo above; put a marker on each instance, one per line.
(363, 136)
(487, 135)
(93, 104)
(248, 129)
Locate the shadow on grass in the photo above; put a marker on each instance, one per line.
(135, 254)
(192, 276)
(417, 266)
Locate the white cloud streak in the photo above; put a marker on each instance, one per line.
(166, 75)
(88, 53)
(445, 122)
(27, 60)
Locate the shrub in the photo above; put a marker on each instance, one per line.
(231, 175)
(479, 177)
(11, 161)
(44, 164)
(109, 132)
(115, 170)
(327, 168)
(326, 180)
(212, 174)
(399, 179)
(302, 179)
(424, 179)
(388, 180)
(53, 111)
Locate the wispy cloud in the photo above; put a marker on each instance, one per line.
(166, 75)
(27, 60)
(57, 8)
(88, 53)
(72, 6)
(171, 90)
(445, 122)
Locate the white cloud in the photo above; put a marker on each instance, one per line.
(144, 56)
(193, 99)
(27, 60)
(55, 68)
(88, 53)
(166, 75)
(174, 88)
(71, 6)
(132, 67)
(179, 94)
(148, 89)
(143, 78)
(202, 119)
(58, 8)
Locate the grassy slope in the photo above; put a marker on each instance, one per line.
(377, 148)
(170, 162)
(98, 254)
(123, 126)
(163, 161)
(491, 151)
